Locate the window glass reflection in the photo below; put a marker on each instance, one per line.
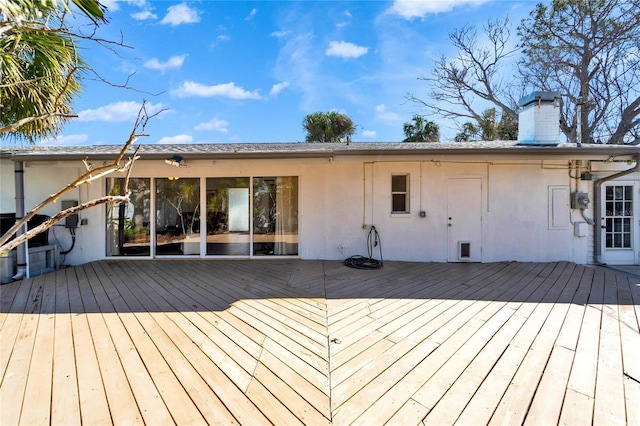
(275, 216)
(228, 216)
(128, 224)
(178, 216)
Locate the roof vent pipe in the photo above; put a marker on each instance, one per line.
(539, 119)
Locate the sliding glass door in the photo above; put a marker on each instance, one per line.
(275, 216)
(243, 216)
(228, 216)
(128, 224)
(177, 216)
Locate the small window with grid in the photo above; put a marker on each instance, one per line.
(400, 194)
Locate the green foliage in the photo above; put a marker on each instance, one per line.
(328, 127)
(489, 128)
(421, 130)
(40, 66)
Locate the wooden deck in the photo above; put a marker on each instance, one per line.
(310, 342)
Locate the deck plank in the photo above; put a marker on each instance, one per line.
(65, 405)
(284, 341)
(609, 404)
(14, 382)
(38, 386)
(94, 408)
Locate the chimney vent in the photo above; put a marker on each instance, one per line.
(539, 119)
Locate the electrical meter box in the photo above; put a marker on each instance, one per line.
(579, 200)
(70, 221)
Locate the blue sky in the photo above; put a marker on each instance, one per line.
(238, 71)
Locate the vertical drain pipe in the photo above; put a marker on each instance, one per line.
(22, 251)
(597, 191)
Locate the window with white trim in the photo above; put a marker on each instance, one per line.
(400, 193)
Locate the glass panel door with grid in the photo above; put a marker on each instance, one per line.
(619, 222)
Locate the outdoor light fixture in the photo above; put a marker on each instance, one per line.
(175, 161)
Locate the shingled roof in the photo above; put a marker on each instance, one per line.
(310, 150)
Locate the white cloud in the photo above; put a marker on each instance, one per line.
(117, 112)
(139, 3)
(66, 140)
(144, 15)
(189, 89)
(180, 14)
(384, 115)
(409, 9)
(172, 62)
(214, 124)
(345, 50)
(251, 15)
(220, 39)
(280, 34)
(346, 22)
(176, 139)
(369, 134)
(111, 5)
(279, 87)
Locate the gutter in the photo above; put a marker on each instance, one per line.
(597, 195)
(22, 251)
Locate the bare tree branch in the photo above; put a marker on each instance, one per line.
(89, 176)
(474, 74)
(7, 247)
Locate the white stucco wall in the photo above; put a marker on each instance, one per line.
(45, 178)
(7, 186)
(340, 199)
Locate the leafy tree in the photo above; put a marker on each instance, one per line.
(507, 129)
(40, 65)
(468, 132)
(421, 130)
(587, 50)
(328, 127)
(489, 128)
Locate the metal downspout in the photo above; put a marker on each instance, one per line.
(22, 251)
(597, 186)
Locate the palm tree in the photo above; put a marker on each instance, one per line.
(328, 127)
(489, 128)
(421, 130)
(40, 66)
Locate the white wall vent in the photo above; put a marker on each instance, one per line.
(539, 119)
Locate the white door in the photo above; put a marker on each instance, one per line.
(464, 214)
(620, 215)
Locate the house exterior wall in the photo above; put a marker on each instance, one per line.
(340, 199)
(7, 186)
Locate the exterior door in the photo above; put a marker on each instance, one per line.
(464, 214)
(620, 214)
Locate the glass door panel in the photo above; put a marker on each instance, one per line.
(128, 224)
(177, 216)
(275, 216)
(618, 216)
(228, 216)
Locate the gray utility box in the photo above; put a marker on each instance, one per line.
(41, 260)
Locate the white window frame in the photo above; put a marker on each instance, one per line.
(406, 193)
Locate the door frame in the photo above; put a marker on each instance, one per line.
(464, 219)
(621, 256)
